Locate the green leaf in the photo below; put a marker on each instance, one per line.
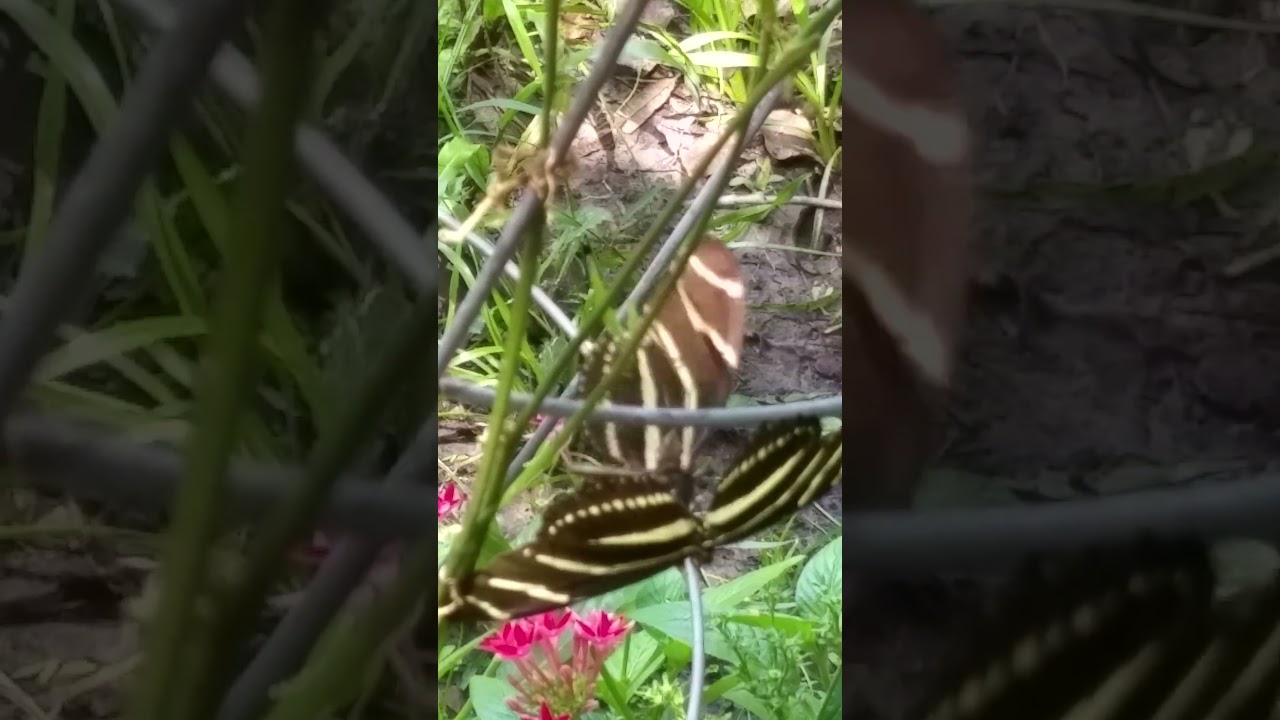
(103, 346)
(798, 627)
(489, 697)
(675, 620)
(666, 586)
(724, 59)
(833, 704)
(634, 663)
(822, 579)
(750, 703)
(738, 590)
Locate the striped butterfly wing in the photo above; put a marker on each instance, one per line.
(609, 533)
(1106, 635)
(785, 468)
(687, 360)
(906, 224)
(1236, 674)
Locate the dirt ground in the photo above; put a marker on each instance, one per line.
(1124, 326)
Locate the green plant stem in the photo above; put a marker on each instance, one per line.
(328, 680)
(335, 446)
(332, 676)
(502, 432)
(550, 38)
(230, 361)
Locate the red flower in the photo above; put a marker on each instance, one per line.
(513, 640)
(551, 623)
(544, 713)
(544, 679)
(449, 500)
(602, 629)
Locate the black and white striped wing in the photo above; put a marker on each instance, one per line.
(1128, 634)
(785, 468)
(608, 534)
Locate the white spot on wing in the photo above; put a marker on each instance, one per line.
(649, 399)
(712, 333)
(940, 138)
(730, 286)
(691, 399)
(917, 334)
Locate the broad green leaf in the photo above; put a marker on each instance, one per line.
(733, 593)
(752, 704)
(702, 39)
(833, 704)
(634, 662)
(675, 620)
(786, 624)
(489, 698)
(821, 580)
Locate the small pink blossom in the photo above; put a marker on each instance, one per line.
(602, 629)
(594, 639)
(551, 623)
(513, 640)
(449, 500)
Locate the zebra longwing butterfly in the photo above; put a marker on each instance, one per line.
(614, 531)
(1129, 635)
(609, 533)
(906, 215)
(687, 360)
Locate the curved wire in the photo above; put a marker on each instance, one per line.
(90, 463)
(698, 669)
(718, 417)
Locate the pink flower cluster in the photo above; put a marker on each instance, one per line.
(547, 686)
(449, 500)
